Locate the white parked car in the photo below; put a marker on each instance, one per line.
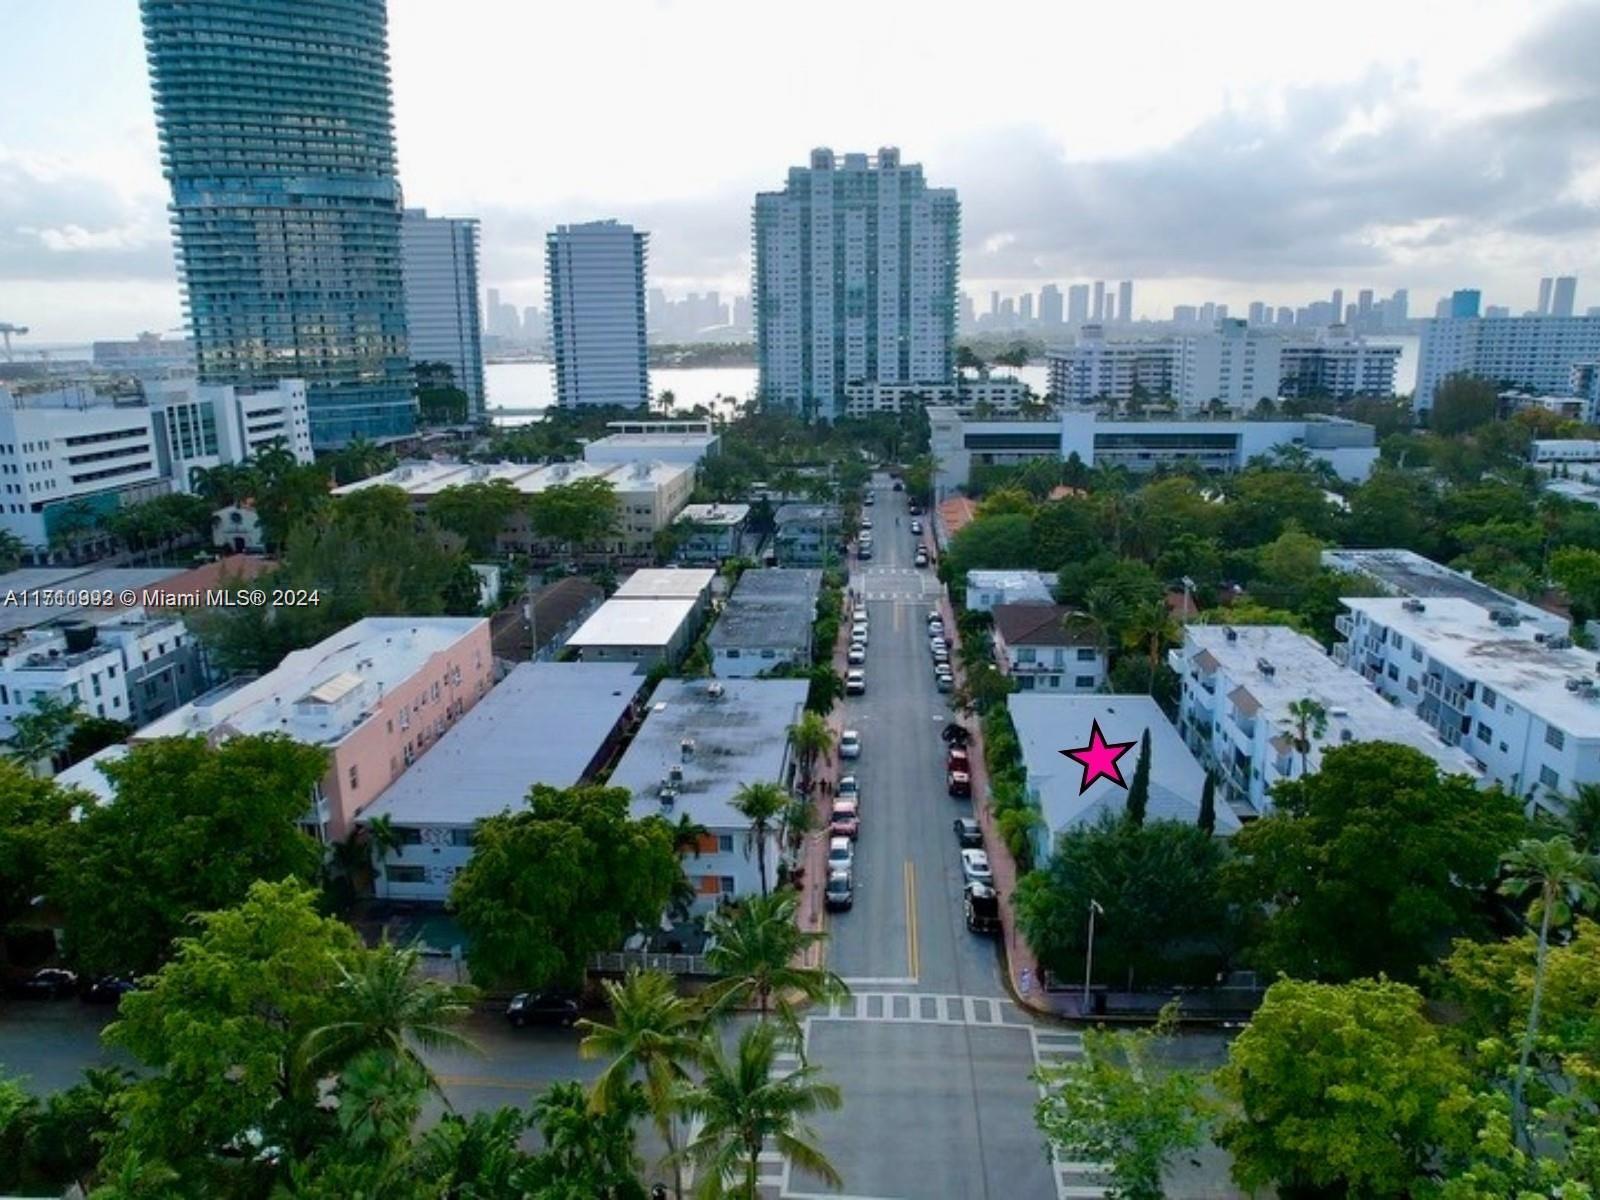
(850, 744)
(858, 654)
(842, 854)
(858, 632)
(855, 683)
(974, 866)
(866, 521)
(848, 788)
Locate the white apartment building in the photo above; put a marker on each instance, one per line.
(1233, 367)
(198, 427)
(1523, 702)
(1533, 353)
(1238, 683)
(701, 741)
(594, 276)
(1000, 393)
(1407, 574)
(439, 257)
(69, 666)
(1036, 645)
(1337, 364)
(986, 590)
(766, 624)
(856, 265)
(686, 443)
(1095, 368)
(1550, 452)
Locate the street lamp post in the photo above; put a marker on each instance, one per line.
(1188, 586)
(1088, 954)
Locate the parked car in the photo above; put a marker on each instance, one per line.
(542, 1008)
(944, 681)
(850, 744)
(848, 788)
(857, 654)
(864, 550)
(968, 833)
(858, 632)
(934, 615)
(898, 486)
(921, 559)
(955, 734)
(916, 527)
(956, 759)
(981, 905)
(855, 683)
(845, 819)
(941, 657)
(49, 983)
(936, 628)
(841, 854)
(975, 867)
(959, 784)
(840, 893)
(916, 509)
(866, 521)
(869, 498)
(936, 642)
(108, 989)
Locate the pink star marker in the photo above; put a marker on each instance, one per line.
(1099, 758)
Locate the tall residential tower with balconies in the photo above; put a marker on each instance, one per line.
(594, 276)
(856, 266)
(277, 137)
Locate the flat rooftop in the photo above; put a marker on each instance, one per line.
(714, 515)
(1046, 725)
(349, 671)
(638, 622)
(429, 478)
(23, 610)
(1407, 573)
(543, 723)
(1511, 661)
(771, 607)
(740, 737)
(665, 583)
(1300, 669)
(814, 514)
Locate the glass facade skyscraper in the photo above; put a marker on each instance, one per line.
(856, 265)
(277, 136)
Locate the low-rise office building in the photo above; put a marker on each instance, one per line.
(701, 741)
(377, 695)
(555, 724)
(808, 535)
(1522, 700)
(670, 583)
(766, 623)
(999, 393)
(1046, 725)
(682, 443)
(1407, 574)
(986, 590)
(1238, 684)
(959, 443)
(711, 533)
(641, 632)
(1038, 646)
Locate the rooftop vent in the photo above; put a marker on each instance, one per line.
(1232, 635)
(1338, 712)
(1575, 683)
(1346, 736)
(1558, 642)
(686, 747)
(716, 691)
(674, 776)
(1413, 606)
(1266, 668)
(1541, 638)
(668, 795)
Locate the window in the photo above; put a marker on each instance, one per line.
(1554, 738)
(1393, 672)
(461, 837)
(409, 835)
(1416, 653)
(1549, 778)
(406, 873)
(1485, 734)
(725, 885)
(1085, 654)
(355, 778)
(1084, 682)
(733, 654)
(1411, 685)
(724, 843)
(1025, 654)
(1488, 697)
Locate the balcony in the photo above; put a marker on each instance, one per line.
(1341, 653)
(1454, 697)
(1344, 624)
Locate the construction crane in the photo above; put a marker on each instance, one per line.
(6, 330)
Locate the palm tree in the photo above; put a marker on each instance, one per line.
(741, 1104)
(1582, 817)
(810, 736)
(760, 804)
(655, 1032)
(386, 1005)
(1564, 878)
(759, 951)
(585, 1154)
(1149, 626)
(1310, 720)
(799, 819)
(686, 835)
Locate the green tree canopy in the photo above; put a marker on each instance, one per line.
(991, 543)
(193, 826)
(1369, 864)
(580, 513)
(476, 512)
(33, 814)
(570, 875)
(1461, 404)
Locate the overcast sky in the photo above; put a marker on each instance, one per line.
(1235, 152)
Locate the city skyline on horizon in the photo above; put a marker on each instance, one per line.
(1453, 155)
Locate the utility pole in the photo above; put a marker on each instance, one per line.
(1088, 955)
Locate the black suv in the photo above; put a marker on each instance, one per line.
(541, 1008)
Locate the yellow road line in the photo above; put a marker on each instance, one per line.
(483, 1081)
(913, 965)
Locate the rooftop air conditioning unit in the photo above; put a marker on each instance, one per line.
(1575, 683)
(716, 691)
(1346, 736)
(1266, 668)
(1415, 606)
(674, 777)
(1541, 638)
(686, 747)
(667, 795)
(1559, 643)
(1233, 635)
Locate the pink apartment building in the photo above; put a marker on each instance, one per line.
(377, 695)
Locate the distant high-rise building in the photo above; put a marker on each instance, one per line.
(1399, 307)
(277, 137)
(1025, 307)
(1564, 298)
(1077, 304)
(994, 304)
(968, 313)
(1285, 315)
(1464, 302)
(1111, 308)
(1257, 313)
(532, 324)
(1185, 314)
(595, 275)
(856, 271)
(1536, 354)
(1364, 305)
(1125, 300)
(1222, 312)
(1208, 314)
(1497, 310)
(1337, 304)
(1099, 300)
(1008, 310)
(1050, 310)
(741, 313)
(1545, 286)
(440, 255)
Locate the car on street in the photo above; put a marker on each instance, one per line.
(921, 559)
(542, 1008)
(915, 509)
(848, 788)
(864, 550)
(944, 681)
(866, 521)
(959, 784)
(840, 893)
(898, 486)
(968, 833)
(108, 989)
(980, 904)
(850, 744)
(858, 632)
(50, 983)
(955, 734)
(869, 499)
(975, 867)
(941, 657)
(857, 654)
(845, 819)
(855, 683)
(934, 615)
(956, 760)
(936, 642)
(916, 527)
(841, 854)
